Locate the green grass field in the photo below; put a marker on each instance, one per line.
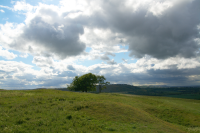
(62, 111)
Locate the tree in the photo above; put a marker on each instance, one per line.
(101, 82)
(88, 82)
(84, 83)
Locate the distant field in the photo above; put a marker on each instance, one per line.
(62, 111)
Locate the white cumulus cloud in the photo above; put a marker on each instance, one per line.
(6, 54)
(2, 11)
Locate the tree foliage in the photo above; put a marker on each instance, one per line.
(87, 82)
(101, 82)
(84, 83)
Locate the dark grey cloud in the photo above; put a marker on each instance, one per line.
(169, 34)
(104, 57)
(175, 72)
(111, 62)
(170, 77)
(58, 37)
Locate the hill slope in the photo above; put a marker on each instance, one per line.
(63, 111)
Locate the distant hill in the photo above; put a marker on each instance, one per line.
(180, 92)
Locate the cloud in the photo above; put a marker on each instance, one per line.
(2, 11)
(67, 74)
(70, 67)
(161, 29)
(24, 55)
(43, 61)
(126, 61)
(9, 32)
(5, 7)
(109, 53)
(163, 35)
(18, 75)
(147, 70)
(22, 6)
(61, 40)
(143, 72)
(6, 54)
(11, 70)
(167, 32)
(111, 62)
(19, 6)
(39, 36)
(104, 57)
(103, 40)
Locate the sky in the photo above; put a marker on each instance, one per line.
(46, 43)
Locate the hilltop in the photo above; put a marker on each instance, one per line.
(45, 110)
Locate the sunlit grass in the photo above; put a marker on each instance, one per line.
(61, 111)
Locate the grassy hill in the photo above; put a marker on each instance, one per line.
(47, 110)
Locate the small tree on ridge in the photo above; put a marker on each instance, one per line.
(101, 82)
